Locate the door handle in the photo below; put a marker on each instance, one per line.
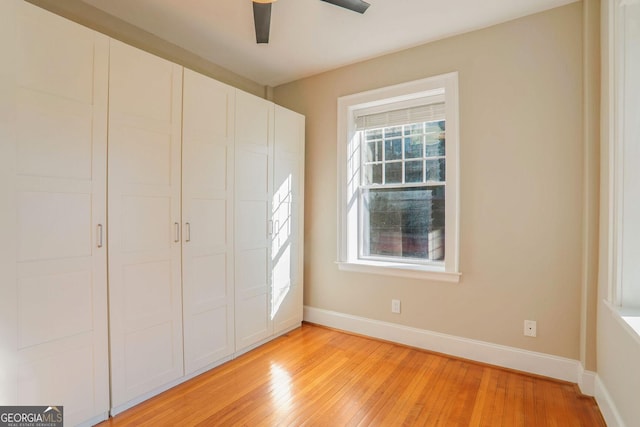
(187, 231)
(99, 235)
(177, 226)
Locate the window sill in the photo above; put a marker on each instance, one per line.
(410, 271)
(628, 317)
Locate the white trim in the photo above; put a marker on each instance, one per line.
(409, 271)
(607, 406)
(615, 117)
(586, 381)
(560, 368)
(607, 140)
(616, 143)
(617, 313)
(405, 92)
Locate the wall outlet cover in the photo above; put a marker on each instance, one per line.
(530, 328)
(395, 306)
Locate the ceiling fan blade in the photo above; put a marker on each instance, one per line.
(355, 5)
(262, 20)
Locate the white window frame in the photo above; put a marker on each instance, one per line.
(627, 307)
(349, 258)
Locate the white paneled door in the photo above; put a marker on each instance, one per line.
(53, 122)
(145, 232)
(287, 216)
(207, 215)
(253, 229)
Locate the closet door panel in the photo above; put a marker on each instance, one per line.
(254, 181)
(71, 213)
(207, 171)
(46, 39)
(69, 304)
(141, 85)
(287, 216)
(58, 154)
(145, 294)
(55, 136)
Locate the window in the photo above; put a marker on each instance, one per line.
(398, 156)
(624, 169)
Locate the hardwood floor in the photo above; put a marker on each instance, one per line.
(315, 376)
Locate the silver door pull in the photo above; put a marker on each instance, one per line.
(99, 235)
(177, 225)
(270, 228)
(187, 232)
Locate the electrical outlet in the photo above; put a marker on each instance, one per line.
(530, 328)
(395, 306)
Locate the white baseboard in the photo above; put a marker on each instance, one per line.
(586, 381)
(508, 357)
(607, 407)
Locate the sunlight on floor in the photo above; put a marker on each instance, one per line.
(280, 388)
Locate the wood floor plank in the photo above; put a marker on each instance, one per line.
(315, 376)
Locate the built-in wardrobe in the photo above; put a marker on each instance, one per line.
(150, 217)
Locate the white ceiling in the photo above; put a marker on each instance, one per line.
(310, 36)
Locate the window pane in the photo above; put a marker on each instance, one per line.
(434, 148)
(435, 170)
(373, 174)
(393, 173)
(413, 171)
(393, 149)
(393, 132)
(435, 139)
(415, 129)
(413, 147)
(373, 152)
(373, 134)
(405, 222)
(435, 126)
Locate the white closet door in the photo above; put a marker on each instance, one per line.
(53, 276)
(9, 11)
(253, 189)
(207, 214)
(287, 216)
(145, 94)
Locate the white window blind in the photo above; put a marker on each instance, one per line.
(416, 114)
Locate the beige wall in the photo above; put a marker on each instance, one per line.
(521, 154)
